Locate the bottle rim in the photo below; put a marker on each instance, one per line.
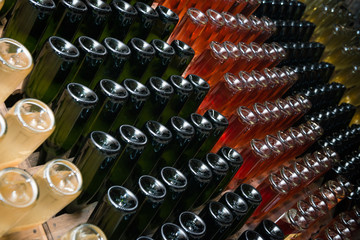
(195, 219)
(66, 48)
(23, 49)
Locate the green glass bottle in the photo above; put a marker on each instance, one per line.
(192, 224)
(112, 97)
(95, 19)
(143, 23)
(151, 195)
(117, 54)
(158, 137)
(167, 231)
(219, 123)
(138, 95)
(183, 56)
(54, 63)
(164, 25)
(182, 132)
(116, 210)
(163, 56)
(142, 54)
(175, 183)
(201, 88)
(219, 168)
(122, 17)
(203, 129)
(160, 94)
(94, 161)
(234, 160)
(28, 22)
(182, 90)
(64, 22)
(72, 110)
(92, 56)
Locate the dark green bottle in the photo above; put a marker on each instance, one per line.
(182, 90)
(71, 111)
(175, 183)
(95, 19)
(138, 95)
(143, 23)
(117, 54)
(170, 231)
(199, 176)
(219, 168)
(234, 160)
(164, 25)
(192, 224)
(219, 123)
(92, 56)
(151, 195)
(114, 213)
(122, 17)
(182, 132)
(28, 21)
(269, 230)
(183, 56)
(142, 54)
(94, 160)
(252, 198)
(112, 97)
(133, 142)
(64, 22)
(201, 88)
(53, 65)
(163, 55)
(217, 218)
(160, 94)
(203, 129)
(238, 208)
(158, 137)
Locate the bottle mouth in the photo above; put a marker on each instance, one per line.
(167, 13)
(231, 155)
(272, 229)
(182, 126)
(230, 20)
(158, 131)
(235, 82)
(169, 230)
(136, 88)
(216, 163)
(63, 177)
(220, 213)
(200, 122)
(151, 187)
(232, 50)
(236, 203)
(162, 47)
(181, 83)
(117, 47)
(99, 6)
(82, 94)
(124, 7)
(274, 144)
(262, 112)
(146, 10)
(247, 115)
(197, 16)
(259, 78)
(113, 89)
(244, 21)
(75, 5)
(122, 198)
(198, 82)
(260, 148)
(303, 171)
(252, 235)
(192, 224)
(250, 81)
(173, 178)
(183, 48)
(142, 46)
(91, 46)
(278, 183)
(105, 142)
(161, 86)
(297, 220)
(200, 169)
(216, 117)
(18, 188)
(132, 135)
(273, 109)
(14, 55)
(215, 18)
(249, 193)
(245, 51)
(44, 4)
(290, 176)
(218, 51)
(88, 231)
(306, 210)
(257, 50)
(63, 47)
